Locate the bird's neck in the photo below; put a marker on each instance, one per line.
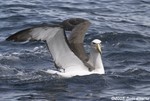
(96, 61)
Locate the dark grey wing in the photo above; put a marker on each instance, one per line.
(57, 44)
(25, 34)
(78, 28)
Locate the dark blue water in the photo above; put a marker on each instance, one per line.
(122, 25)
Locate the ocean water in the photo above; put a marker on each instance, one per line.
(122, 25)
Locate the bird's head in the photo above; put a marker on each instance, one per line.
(96, 45)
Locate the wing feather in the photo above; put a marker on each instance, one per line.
(78, 28)
(57, 45)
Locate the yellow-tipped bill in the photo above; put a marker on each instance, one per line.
(98, 46)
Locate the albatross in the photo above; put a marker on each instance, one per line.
(68, 53)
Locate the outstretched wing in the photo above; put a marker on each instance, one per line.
(78, 28)
(57, 44)
(30, 33)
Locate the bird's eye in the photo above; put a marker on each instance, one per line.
(93, 43)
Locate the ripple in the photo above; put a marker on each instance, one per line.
(123, 27)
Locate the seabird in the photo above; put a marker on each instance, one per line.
(68, 53)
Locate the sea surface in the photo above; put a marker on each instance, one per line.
(122, 25)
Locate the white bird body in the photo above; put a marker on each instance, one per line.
(74, 71)
(78, 68)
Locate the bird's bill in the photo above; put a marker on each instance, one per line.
(99, 48)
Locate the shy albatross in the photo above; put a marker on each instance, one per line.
(68, 53)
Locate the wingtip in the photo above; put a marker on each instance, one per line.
(69, 24)
(19, 36)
